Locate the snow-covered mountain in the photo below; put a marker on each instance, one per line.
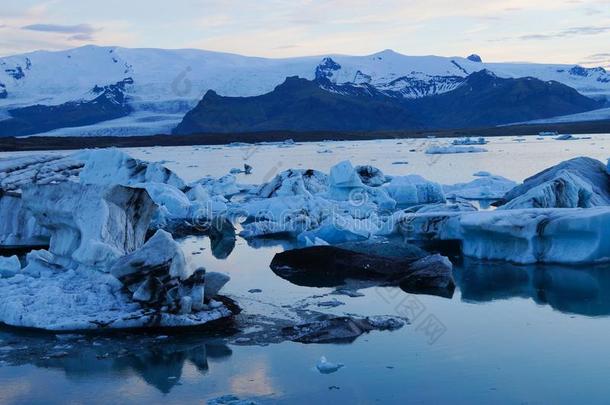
(162, 85)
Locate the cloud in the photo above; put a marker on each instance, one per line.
(81, 37)
(598, 59)
(79, 29)
(569, 32)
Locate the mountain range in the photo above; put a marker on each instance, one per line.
(118, 91)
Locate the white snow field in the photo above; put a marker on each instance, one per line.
(168, 83)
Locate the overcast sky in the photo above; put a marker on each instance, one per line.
(567, 31)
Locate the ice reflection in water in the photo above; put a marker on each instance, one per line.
(581, 290)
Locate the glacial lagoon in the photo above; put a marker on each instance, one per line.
(509, 334)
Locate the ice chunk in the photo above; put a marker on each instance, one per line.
(440, 150)
(160, 254)
(225, 186)
(469, 141)
(295, 182)
(214, 282)
(326, 367)
(486, 187)
(37, 169)
(112, 166)
(565, 190)
(371, 176)
(18, 227)
(557, 235)
(344, 175)
(9, 266)
(90, 224)
(578, 182)
(413, 190)
(43, 297)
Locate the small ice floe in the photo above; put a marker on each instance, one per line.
(570, 137)
(230, 400)
(325, 151)
(246, 170)
(326, 367)
(441, 150)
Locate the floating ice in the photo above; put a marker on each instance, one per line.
(488, 187)
(556, 235)
(579, 182)
(441, 150)
(414, 190)
(91, 224)
(112, 166)
(326, 367)
(469, 141)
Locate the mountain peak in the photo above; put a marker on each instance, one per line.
(475, 58)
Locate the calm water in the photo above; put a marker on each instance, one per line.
(510, 334)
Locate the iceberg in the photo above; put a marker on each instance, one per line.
(37, 169)
(157, 275)
(43, 297)
(326, 367)
(111, 166)
(414, 190)
(91, 224)
(488, 187)
(580, 182)
(294, 182)
(98, 273)
(557, 235)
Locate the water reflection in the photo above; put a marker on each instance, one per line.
(576, 290)
(159, 361)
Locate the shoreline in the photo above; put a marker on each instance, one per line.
(41, 143)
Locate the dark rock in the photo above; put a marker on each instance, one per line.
(384, 263)
(338, 329)
(370, 175)
(431, 274)
(16, 73)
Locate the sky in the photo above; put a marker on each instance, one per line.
(561, 31)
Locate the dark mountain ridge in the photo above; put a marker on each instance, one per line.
(482, 99)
